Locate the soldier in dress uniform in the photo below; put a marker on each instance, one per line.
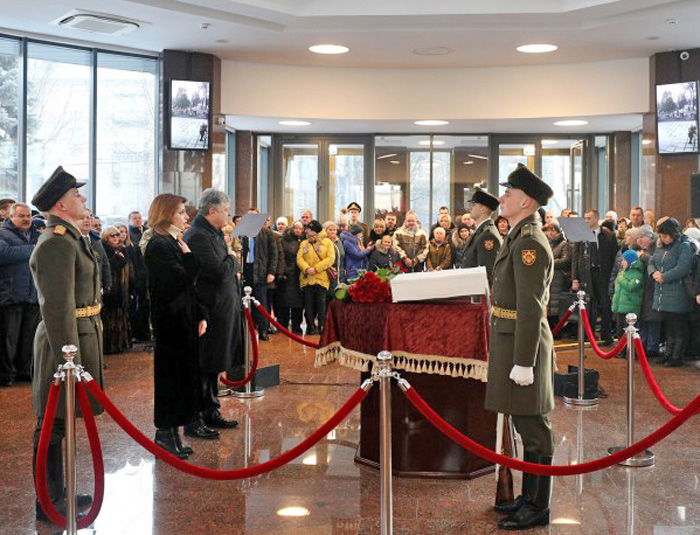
(66, 272)
(520, 376)
(483, 246)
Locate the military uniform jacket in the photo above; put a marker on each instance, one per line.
(482, 248)
(522, 274)
(66, 272)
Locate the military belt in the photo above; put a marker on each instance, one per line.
(88, 312)
(504, 313)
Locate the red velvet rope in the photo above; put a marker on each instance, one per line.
(290, 334)
(651, 380)
(225, 475)
(591, 338)
(545, 470)
(558, 327)
(254, 363)
(93, 437)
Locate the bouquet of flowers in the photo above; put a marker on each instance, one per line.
(368, 287)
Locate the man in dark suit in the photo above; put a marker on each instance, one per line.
(140, 305)
(591, 266)
(217, 292)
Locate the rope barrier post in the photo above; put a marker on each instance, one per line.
(384, 358)
(69, 354)
(646, 457)
(580, 400)
(247, 391)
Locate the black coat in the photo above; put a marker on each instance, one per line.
(175, 315)
(105, 270)
(292, 295)
(266, 255)
(560, 289)
(584, 258)
(218, 292)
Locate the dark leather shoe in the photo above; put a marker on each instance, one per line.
(510, 507)
(216, 420)
(60, 505)
(184, 448)
(263, 336)
(673, 363)
(200, 430)
(166, 440)
(6, 382)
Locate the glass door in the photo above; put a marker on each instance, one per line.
(346, 178)
(299, 179)
(577, 164)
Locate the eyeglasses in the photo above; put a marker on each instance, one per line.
(115, 235)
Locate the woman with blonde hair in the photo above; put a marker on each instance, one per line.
(177, 322)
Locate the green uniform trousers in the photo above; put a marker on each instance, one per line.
(536, 432)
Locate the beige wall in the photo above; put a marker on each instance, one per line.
(582, 89)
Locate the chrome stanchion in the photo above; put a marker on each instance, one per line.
(69, 369)
(384, 359)
(580, 400)
(646, 457)
(247, 391)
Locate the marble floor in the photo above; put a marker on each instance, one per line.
(337, 496)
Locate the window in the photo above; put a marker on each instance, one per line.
(126, 133)
(58, 113)
(9, 119)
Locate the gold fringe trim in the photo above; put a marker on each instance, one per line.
(410, 362)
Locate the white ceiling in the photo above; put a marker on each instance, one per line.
(384, 33)
(597, 125)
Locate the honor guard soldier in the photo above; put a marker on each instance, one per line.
(483, 246)
(520, 375)
(354, 210)
(66, 273)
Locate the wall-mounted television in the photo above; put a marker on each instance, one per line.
(677, 117)
(190, 115)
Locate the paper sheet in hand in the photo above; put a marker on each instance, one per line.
(250, 225)
(576, 229)
(439, 284)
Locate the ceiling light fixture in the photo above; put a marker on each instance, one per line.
(293, 511)
(550, 141)
(537, 48)
(571, 122)
(395, 162)
(646, 142)
(436, 142)
(386, 156)
(294, 123)
(478, 156)
(470, 162)
(329, 49)
(431, 122)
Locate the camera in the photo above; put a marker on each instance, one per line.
(685, 55)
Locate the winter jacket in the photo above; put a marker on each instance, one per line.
(412, 243)
(439, 256)
(355, 258)
(339, 263)
(459, 247)
(16, 284)
(560, 288)
(674, 261)
(647, 312)
(317, 252)
(629, 290)
(379, 259)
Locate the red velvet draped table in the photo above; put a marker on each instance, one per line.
(441, 349)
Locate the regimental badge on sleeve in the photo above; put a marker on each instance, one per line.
(59, 230)
(529, 256)
(488, 245)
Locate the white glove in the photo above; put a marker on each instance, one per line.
(522, 375)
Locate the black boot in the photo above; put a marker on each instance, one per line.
(675, 357)
(535, 511)
(166, 440)
(184, 448)
(511, 507)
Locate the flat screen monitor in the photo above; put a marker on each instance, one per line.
(190, 115)
(677, 117)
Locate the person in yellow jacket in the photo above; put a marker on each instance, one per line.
(316, 255)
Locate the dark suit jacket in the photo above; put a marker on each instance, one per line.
(266, 255)
(585, 257)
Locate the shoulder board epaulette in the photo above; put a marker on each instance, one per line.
(528, 230)
(59, 230)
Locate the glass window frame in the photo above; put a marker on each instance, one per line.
(95, 52)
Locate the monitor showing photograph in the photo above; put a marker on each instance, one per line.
(189, 115)
(677, 117)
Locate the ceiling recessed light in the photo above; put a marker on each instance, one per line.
(652, 38)
(294, 511)
(294, 123)
(646, 142)
(470, 162)
(549, 142)
(537, 48)
(432, 51)
(478, 156)
(329, 49)
(571, 122)
(386, 156)
(395, 162)
(431, 122)
(435, 142)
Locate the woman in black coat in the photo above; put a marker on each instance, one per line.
(115, 312)
(292, 299)
(560, 287)
(177, 322)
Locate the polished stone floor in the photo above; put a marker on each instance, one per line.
(339, 497)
